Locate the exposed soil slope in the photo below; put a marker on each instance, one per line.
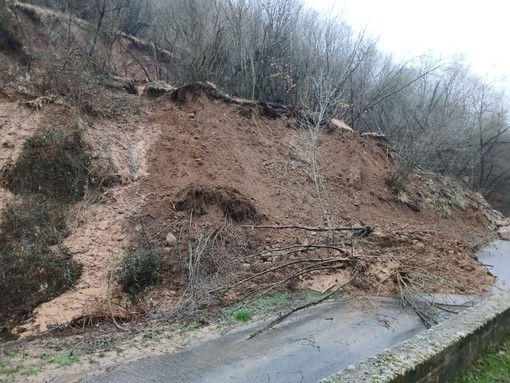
(192, 171)
(207, 144)
(203, 164)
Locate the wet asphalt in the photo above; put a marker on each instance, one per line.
(306, 347)
(496, 257)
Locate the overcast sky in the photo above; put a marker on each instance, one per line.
(480, 30)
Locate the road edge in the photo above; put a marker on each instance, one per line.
(439, 353)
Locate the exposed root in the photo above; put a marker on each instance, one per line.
(266, 109)
(198, 198)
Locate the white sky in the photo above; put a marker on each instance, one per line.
(480, 30)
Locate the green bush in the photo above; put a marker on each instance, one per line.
(54, 162)
(140, 271)
(32, 271)
(32, 274)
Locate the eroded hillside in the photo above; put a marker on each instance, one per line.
(193, 176)
(221, 194)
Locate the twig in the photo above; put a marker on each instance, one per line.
(145, 236)
(302, 307)
(266, 271)
(478, 202)
(404, 293)
(293, 249)
(109, 299)
(309, 228)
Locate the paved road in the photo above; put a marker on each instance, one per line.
(305, 348)
(497, 258)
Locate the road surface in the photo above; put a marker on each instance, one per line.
(304, 348)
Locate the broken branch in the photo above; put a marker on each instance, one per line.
(302, 307)
(309, 228)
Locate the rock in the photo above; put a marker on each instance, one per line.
(170, 238)
(339, 124)
(502, 222)
(104, 225)
(504, 233)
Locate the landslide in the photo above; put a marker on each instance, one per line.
(213, 154)
(193, 174)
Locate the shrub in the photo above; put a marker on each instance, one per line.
(140, 271)
(402, 175)
(32, 274)
(32, 271)
(50, 174)
(54, 163)
(33, 220)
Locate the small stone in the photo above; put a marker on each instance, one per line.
(104, 225)
(504, 233)
(170, 238)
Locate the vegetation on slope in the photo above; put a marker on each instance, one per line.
(50, 174)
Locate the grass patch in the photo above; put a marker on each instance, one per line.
(242, 315)
(492, 367)
(67, 358)
(14, 364)
(268, 306)
(17, 370)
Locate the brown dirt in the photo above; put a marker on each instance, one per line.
(208, 146)
(201, 166)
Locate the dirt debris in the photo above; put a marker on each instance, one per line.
(200, 168)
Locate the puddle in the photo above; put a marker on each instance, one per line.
(496, 257)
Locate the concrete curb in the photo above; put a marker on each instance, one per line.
(439, 353)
